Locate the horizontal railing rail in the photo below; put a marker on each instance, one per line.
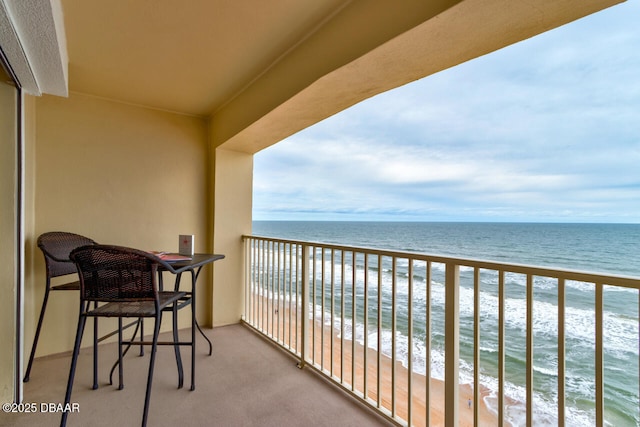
(436, 340)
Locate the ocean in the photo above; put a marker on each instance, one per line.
(602, 248)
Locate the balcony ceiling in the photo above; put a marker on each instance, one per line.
(190, 57)
(262, 70)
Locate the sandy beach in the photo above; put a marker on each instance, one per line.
(335, 355)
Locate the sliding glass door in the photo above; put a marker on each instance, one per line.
(11, 267)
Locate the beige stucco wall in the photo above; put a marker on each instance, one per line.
(119, 174)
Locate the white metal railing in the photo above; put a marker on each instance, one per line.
(382, 323)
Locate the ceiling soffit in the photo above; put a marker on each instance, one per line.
(468, 30)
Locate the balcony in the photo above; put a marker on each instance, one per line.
(246, 382)
(326, 304)
(250, 380)
(167, 106)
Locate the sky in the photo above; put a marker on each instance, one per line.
(546, 130)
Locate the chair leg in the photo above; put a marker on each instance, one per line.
(72, 371)
(176, 346)
(152, 359)
(95, 351)
(37, 336)
(120, 368)
(126, 350)
(141, 320)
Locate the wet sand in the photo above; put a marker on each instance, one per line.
(342, 368)
(335, 356)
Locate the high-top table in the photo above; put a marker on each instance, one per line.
(193, 266)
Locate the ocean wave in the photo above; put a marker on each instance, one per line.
(490, 277)
(545, 407)
(621, 329)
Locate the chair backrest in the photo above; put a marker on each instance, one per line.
(56, 247)
(115, 273)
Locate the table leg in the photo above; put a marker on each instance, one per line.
(193, 329)
(206, 338)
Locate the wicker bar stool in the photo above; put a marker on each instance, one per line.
(124, 282)
(56, 247)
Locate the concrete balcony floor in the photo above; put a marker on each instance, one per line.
(246, 382)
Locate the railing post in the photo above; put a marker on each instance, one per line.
(452, 344)
(304, 324)
(599, 356)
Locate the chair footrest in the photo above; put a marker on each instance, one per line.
(71, 286)
(110, 334)
(183, 302)
(159, 343)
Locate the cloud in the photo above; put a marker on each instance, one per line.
(545, 130)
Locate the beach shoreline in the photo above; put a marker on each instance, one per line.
(387, 399)
(334, 355)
